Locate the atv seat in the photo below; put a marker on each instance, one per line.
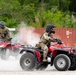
(40, 50)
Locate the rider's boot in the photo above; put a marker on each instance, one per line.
(44, 56)
(44, 60)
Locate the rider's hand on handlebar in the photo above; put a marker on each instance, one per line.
(9, 39)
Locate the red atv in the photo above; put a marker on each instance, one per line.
(62, 57)
(7, 49)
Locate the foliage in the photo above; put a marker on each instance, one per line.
(38, 13)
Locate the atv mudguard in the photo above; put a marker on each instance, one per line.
(33, 51)
(56, 52)
(5, 45)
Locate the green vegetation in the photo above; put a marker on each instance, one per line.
(39, 13)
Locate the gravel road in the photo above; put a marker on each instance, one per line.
(12, 67)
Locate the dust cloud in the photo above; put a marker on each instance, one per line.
(25, 35)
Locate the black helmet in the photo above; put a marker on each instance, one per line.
(2, 24)
(49, 28)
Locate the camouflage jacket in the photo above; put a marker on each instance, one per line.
(4, 33)
(45, 38)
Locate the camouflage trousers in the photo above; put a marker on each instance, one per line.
(45, 48)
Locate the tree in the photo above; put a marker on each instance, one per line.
(9, 12)
(38, 13)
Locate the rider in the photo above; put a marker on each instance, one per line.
(45, 39)
(4, 31)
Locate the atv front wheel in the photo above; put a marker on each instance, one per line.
(27, 61)
(62, 62)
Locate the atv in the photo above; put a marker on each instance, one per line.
(8, 49)
(62, 57)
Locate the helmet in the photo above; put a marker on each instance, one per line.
(49, 28)
(2, 24)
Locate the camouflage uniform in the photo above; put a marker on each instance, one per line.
(45, 38)
(4, 33)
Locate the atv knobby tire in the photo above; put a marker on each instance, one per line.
(62, 62)
(27, 61)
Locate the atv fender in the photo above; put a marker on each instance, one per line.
(59, 51)
(7, 45)
(35, 52)
(56, 52)
(27, 50)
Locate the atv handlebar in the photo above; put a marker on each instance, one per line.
(9, 39)
(58, 41)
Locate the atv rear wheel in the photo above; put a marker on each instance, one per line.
(27, 61)
(62, 62)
